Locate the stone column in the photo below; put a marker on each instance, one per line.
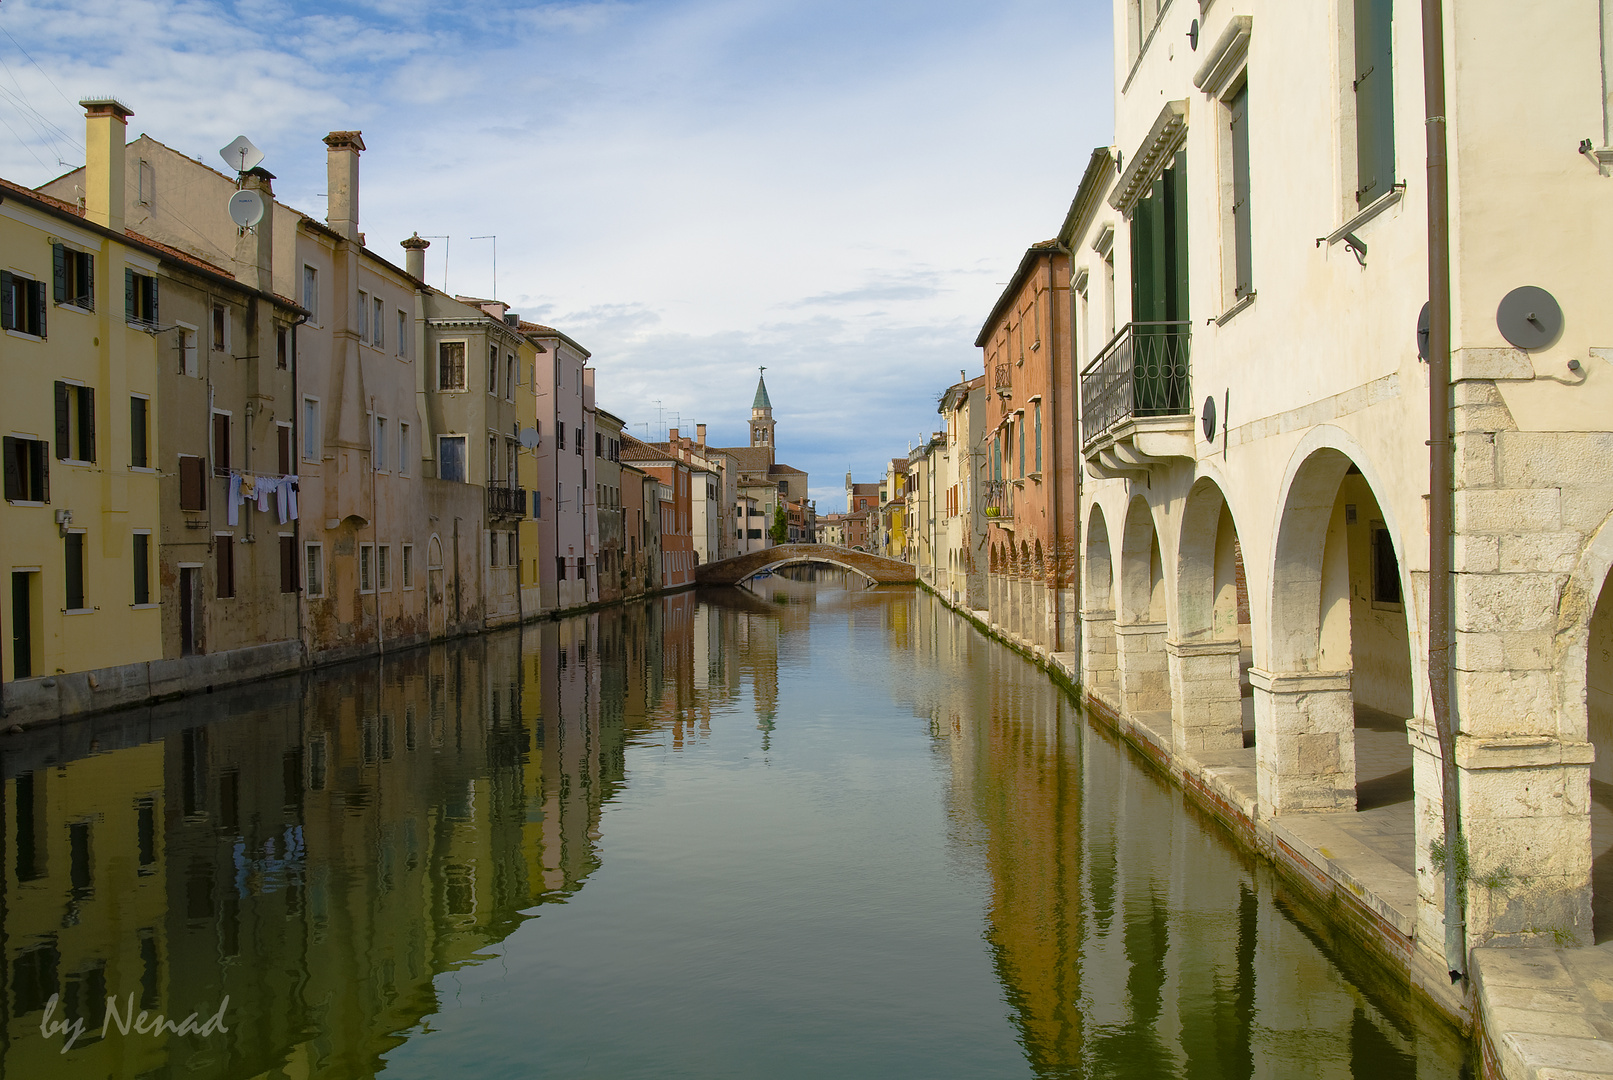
(1207, 708)
(1304, 740)
(1144, 681)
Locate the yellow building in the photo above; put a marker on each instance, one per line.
(79, 416)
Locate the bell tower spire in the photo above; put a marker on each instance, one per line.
(761, 417)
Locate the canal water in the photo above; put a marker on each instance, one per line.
(801, 830)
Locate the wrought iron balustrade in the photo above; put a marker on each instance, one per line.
(1002, 377)
(1142, 372)
(505, 500)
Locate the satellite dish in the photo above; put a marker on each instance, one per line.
(1425, 321)
(1529, 317)
(1209, 418)
(246, 208)
(529, 438)
(241, 155)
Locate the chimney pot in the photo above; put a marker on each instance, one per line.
(414, 259)
(341, 166)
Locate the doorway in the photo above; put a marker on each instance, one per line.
(187, 610)
(22, 624)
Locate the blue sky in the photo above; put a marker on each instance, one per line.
(689, 188)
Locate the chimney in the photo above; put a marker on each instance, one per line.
(672, 438)
(254, 247)
(700, 434)
(341, 167)
(106, 129)
(414, 258)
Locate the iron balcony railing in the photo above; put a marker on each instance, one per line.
(505, 500)
(1142, 372)
(1002, 377)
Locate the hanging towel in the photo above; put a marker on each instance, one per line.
(234, 500)
(286, 498)
(266, 491)
(248, 486)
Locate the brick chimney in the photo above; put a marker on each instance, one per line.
(414, 258)
(672, 439)
(700, 434)
(106, 129)
(341, 167)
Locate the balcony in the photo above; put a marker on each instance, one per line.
(505, 500)
(1002, 379)
(1136, 404)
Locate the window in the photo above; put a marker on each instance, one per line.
(75, 422)
(451, 365)
(73, 277)
(403, 333)
(314, 568)
(221, 328)
(509, 377)
(221, 443)
(366, 568)
(224, 555)
(599, 444)
(451, 457)
(560, 567)
(142, 568)
(383, 567)
(288, 563)
(282, 349)
(378, 449)
(73, 556)
(560, 436)
(192, 483)
(492, 370)
(139, 443)
(22, 304)
(187, 349)
(492, 549)
(1385, 568)
(403, 449)
(407, 554)
(1242, 235)
(577, 444)
(310, 429)
(1374, 100)
(282, 435)
(510, 446)
(139, 297)
(492, 458)
(27, 470)
(1038, 422)
(364, 316)
(379, 327)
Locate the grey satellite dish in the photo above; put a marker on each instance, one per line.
(1425, 320)
(1209, 418)
(1529, 317)
(241, 155)
(529, 438)
(246, 208)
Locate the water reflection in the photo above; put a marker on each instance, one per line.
(359, 861)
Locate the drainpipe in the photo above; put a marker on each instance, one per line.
(1439, 475)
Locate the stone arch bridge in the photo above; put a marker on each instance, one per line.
(876, 568)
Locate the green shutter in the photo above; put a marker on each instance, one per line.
(63, 451)
(1242, 231)
(154, 318)
(39, 307)
(1374, 99)
(8, 317)
(128, 294)
(1174, 242)
(58, 264)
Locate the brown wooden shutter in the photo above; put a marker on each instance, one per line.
(285, 450)
(288, 564)
(221, 444)
(192, 486)
(224, 546)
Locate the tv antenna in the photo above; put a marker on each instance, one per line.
(444, 240)
(494, 238)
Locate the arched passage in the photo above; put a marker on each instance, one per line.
(1339, 691)
(1140, 622)
(1099, 667)
(1599, 718)
(1209, 657)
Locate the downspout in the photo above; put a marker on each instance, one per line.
(1439, 477)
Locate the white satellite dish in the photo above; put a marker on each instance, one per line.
(529, 438)
(246, 208)
(241, 155)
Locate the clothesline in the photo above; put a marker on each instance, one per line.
(261, 489)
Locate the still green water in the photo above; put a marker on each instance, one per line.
(806, 831)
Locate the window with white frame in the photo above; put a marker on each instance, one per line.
(378, 450)
(451, 365)
(310, 429)
(364, 316)
(383, 567)
(451, 458)
(403, 333)
(378, 324)
(190, 355)
(73, 277)
(509, 377)
(313, 563)
(404, 447)
(310, 292)
(366, 568)
(492, 370)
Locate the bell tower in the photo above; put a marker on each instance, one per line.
(761, 417)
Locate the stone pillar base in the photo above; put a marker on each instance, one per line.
(1304, 740)
(1144, 679)
(1100, 664)
(1208, 709)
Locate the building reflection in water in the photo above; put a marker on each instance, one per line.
(323, 849)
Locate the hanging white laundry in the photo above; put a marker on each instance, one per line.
(266, 491)
(233, 502)
(286, 492)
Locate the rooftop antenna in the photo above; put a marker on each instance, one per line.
(444, 240)
(494, 238)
